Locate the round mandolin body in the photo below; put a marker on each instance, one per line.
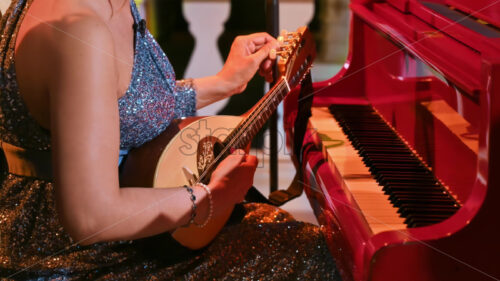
(175, 157)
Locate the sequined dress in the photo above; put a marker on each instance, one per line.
(262, 243)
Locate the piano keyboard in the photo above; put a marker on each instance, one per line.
(389, 183)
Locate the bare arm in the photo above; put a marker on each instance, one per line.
(85, 134)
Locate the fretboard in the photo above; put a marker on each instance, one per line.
(242, 135)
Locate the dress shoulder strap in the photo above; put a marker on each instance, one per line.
(9, 28)
(135, 12)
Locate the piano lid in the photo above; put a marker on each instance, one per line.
(454, 44)
(475, 23)
(485, 10)
(467, 20)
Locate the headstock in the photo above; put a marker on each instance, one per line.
(295, 55)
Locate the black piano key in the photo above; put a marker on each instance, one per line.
(395, 167)
(382, 149)
(405, 210)
(421, 193)
(411, 186)
(422, 201)
(412, 178)
(404, 171)
(394, 185)
(431, 215)
(416, 222)
(417, 197)
(375, 152)
(421, 198)
(380, 177)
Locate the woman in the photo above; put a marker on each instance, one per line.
(80, 86)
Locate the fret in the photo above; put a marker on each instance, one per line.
(265, 109)
(256, 129)
(266, 114)
(275, 102)
(245, 132)
(239, 144)
(253, 131)
(282, 94)
(259, 121)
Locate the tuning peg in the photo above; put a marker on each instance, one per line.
(283, 53)
(281, 40)
(294, 37)
(284, 33)
(272, 54)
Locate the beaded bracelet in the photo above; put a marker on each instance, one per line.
(211, 205)
(192, 197)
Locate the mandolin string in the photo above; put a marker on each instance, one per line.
(251, 115)
(255, 116)
(287, 74)
(266, 99)
(261, 106)
(248, 120)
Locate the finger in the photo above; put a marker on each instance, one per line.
(261, 38)
(258, 44)
(273, 54)
(241, 153)
(251, 160)
(267, 74)
(264, 72)
(262, 53)
(237, 155)
(266, 65)
(266, 69)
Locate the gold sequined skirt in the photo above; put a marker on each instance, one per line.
(261, 242)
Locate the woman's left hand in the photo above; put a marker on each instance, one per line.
(247, 55)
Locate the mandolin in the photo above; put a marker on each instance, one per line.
(188, 151)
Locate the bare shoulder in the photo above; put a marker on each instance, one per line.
(55, 46)
(55, 23)
(48, 40)
(81, 33)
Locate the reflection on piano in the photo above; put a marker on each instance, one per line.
(401, 159)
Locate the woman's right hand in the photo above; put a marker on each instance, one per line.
(231, 180)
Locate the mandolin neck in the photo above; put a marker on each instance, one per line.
(242, 135)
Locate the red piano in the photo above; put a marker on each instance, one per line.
(401, 156)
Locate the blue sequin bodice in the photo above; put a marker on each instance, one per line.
(153, 99)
